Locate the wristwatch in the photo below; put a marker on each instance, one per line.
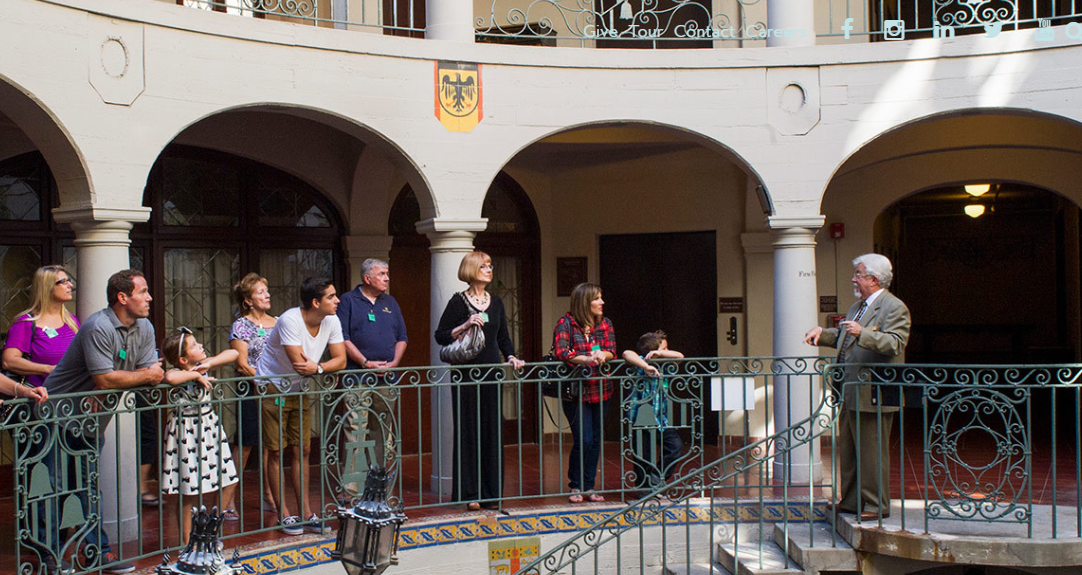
(319, 368)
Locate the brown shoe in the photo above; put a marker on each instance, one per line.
(872, 516)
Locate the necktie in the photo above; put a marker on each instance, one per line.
(848, 339)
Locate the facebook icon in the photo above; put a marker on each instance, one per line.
(847, 27)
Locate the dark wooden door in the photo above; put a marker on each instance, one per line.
(663, 281)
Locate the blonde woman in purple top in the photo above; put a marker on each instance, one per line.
(41, 334)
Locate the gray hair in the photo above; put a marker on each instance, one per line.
(371, 264)
(877, 266)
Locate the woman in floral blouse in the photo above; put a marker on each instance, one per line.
(249, 337)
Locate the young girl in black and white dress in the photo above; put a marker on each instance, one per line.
(197, 461)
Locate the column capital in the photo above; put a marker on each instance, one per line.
(807, 222)
(449, 225)
(101, 214)
(451, 236)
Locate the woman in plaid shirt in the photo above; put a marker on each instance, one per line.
(584, 337)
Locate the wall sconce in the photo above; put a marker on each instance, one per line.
(974, 210)
(977, 190)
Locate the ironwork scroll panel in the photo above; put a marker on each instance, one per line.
(642, 20)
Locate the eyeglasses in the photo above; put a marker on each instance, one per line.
(859, 275)
(486, 267)
(68, 281)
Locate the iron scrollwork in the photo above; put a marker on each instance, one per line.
(619, 20)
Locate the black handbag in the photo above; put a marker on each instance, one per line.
(559, 385)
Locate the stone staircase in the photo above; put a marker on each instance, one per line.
(762, 551)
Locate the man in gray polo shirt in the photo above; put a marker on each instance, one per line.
(114, 349)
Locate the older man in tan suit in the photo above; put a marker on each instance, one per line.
(875, 330)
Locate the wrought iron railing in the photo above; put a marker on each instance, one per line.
(716, 503)
(674, 23)
(971, 458)
(968, 436)
(61, 490)
(398, 18)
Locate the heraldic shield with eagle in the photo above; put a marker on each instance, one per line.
(458, 95)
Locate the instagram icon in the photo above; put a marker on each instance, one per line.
(894, 29)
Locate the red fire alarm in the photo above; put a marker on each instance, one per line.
(837, 231)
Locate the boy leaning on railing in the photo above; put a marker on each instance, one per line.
(647, 424)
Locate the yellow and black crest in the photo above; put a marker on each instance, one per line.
(458, 95)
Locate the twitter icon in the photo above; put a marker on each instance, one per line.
(991, 30)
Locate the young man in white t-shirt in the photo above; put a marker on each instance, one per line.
(296, 346)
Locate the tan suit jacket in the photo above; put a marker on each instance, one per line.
(885, 333)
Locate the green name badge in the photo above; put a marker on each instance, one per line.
(122, 354)
(371, 317)
(484, 316)
(50, 332)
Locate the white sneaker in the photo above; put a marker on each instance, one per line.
(315, 525)
(292, 525)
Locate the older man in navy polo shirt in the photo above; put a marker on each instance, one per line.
(375, 335)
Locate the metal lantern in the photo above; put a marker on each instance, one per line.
(203, 554)
(368, 533)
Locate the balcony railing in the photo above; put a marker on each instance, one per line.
(395, 17)
(983, 445)
(672, 23)
(970, 438)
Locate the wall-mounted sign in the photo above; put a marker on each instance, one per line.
(458, 95)
(730, 305)
(570, 272)
(507, 556)
(828, 304)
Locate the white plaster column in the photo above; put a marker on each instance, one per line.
(450, 20)
(101, 246)
(793, 15)
(360, 248)
(795, 312)
(450, 240)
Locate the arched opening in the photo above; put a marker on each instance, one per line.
(1002, 287)
(967, 279)
(654, 214)
(998, 284)
(216, 217)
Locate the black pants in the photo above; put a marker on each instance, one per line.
(477, 466)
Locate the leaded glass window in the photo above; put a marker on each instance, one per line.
(218, 217)
(199, 293)
(199, 192)
(281, 205)
(20, 185)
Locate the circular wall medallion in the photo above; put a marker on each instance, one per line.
(793, 98)
(114, 57)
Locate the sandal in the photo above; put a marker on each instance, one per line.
(230, 515)
(594, 498)
(576, 496)
(473, 506)
(149, 499)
